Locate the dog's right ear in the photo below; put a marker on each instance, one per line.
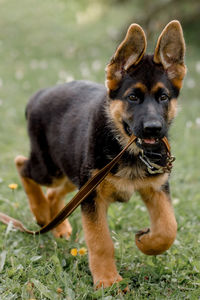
(127, 55)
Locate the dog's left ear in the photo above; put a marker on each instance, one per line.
(170, 52)
(128, 54)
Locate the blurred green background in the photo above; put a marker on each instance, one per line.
(47, 42)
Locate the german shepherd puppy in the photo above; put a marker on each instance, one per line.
(77, 128)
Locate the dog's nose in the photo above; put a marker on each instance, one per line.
(152, 127)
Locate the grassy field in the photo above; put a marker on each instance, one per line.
(47, 42)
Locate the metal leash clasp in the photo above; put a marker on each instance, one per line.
(151, 167)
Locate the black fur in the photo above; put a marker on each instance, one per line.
(69, 133)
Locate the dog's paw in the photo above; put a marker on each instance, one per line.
(106, 282)
(64, 230)
(153, 243)
(144, 239)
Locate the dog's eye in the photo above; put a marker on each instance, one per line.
(133, 98)
(163, 97)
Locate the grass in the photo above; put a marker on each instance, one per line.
(46, 42)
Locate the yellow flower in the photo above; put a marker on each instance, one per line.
(13, 186)
(59, 290)
(74, 252)
(82, 251)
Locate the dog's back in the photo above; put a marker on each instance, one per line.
(61, 123)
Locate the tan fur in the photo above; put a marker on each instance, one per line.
(129, 53)
(55, 197)
(115, 112)
(37, 200)
(180, 72)
(157, 86)
(172, 109)
(100, 246)
(126, 174)
(163, 223)
(138, 85)
(123, 185)
(45, 208)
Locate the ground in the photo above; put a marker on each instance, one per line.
(46, 42)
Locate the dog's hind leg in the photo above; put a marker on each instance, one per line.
(55, 197)
(39, 204)
(163, 229)
(99, 242)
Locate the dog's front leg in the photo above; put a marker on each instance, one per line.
(163, 229)
(99, 242)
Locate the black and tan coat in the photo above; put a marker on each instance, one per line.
(77, 128)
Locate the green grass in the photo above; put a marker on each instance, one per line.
(46, 42)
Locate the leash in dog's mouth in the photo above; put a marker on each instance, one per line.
(157, 162)
(155, 154)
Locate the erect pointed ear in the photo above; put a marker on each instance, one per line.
(170, 52)
(128, 54)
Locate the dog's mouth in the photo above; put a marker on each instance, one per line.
(142, 142)
(153, 152)
(147, 141)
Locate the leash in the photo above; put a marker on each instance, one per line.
(86, 190)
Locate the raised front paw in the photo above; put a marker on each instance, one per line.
(154, 243)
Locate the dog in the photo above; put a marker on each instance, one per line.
(76, 128)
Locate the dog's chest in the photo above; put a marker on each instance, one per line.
(128, 180)
(121, 185)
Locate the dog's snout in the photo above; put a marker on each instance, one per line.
(152, 127)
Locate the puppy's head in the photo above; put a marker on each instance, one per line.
(143, 88)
